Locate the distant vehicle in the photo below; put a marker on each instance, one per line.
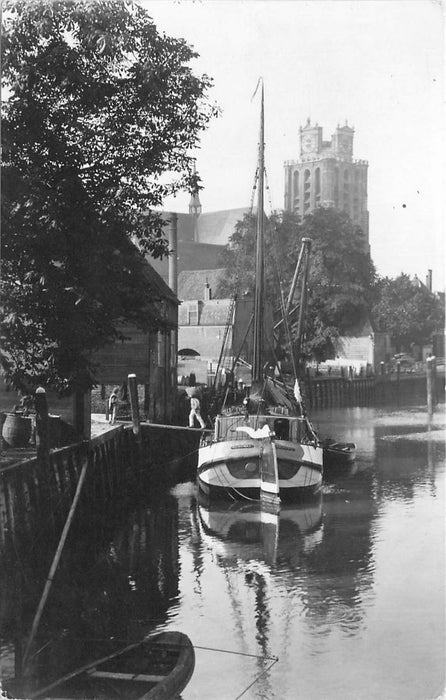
(404, 359)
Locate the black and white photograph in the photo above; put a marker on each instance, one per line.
(222, 350)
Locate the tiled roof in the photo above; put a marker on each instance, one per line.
(191, 283)
(204, 313)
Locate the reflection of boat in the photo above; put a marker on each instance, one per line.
(156, 668)
(249, 531)
(339, 454)
(263, 446)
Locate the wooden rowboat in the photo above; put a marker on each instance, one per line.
(339, 454)
(155, 668)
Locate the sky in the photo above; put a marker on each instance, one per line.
(377, 63)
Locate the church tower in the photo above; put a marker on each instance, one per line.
(325, 175)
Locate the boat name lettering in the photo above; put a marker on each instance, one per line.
(241, 447)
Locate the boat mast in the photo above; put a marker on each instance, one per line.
(257, 363)
(298, 359)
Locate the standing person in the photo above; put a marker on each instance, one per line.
(195, 412)
(113, 406)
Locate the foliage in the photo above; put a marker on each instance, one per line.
(341, 274)
(407, 311)
(101, 114)
(239, 260)
(341, 280)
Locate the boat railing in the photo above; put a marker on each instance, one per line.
(284, 427)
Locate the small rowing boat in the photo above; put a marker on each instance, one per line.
(155, 668)
(339, 454)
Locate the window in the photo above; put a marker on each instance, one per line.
(161, 349)
(173, 349)
(317, 185)
(192, 314)
(296, 184)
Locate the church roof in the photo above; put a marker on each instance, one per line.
(218, 226)
(191, 283)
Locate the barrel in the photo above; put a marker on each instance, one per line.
(16, 431)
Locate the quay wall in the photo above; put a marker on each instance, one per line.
(36, 496)
(325, 392)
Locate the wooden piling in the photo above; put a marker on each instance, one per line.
(430, 382)
(398, 381)
(134, 408)
(42, 426)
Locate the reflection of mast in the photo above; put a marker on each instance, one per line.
(262, 624)
(247, 539)
(197, 552)
(270, 535)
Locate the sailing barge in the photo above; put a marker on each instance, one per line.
(263, 447)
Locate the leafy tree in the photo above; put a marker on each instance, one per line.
(341, 280)
(239, 260)
(407, 311)
(101, 114)
(341, 275)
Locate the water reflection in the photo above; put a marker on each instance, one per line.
(115, 581)
(320, 552)
(312, 584)
(250, 532)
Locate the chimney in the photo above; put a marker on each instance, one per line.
(172, 237)
(207, 292)
(429, 280)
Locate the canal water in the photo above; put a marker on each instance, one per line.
(340, 598)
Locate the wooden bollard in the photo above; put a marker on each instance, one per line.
(134, 406)
(382, 371)
(430, 378)
(42, 425)
(434, 380)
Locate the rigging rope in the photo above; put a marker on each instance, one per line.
(254, 188)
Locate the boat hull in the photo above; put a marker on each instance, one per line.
(232, 469)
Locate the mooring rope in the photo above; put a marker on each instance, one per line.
(272, 659)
